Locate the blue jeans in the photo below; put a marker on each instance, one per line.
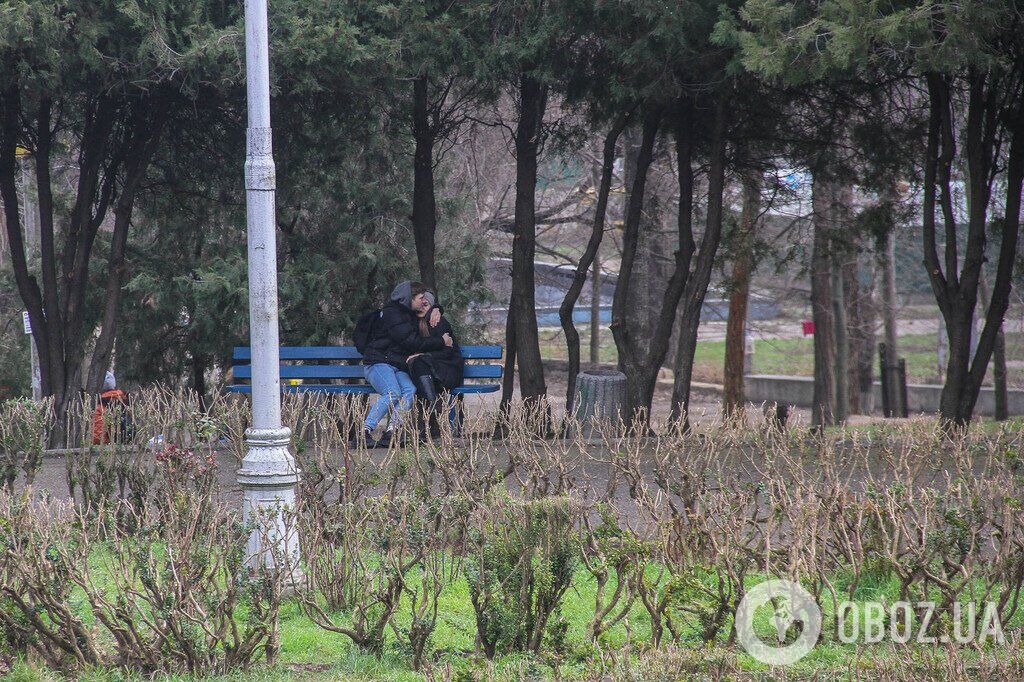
(396, 391)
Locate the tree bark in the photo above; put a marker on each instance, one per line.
(841, 331)
(135, 170)
(95, 188)
(1002, 411)
(533, 100)
(849, 272)
(114, 126)
(999, 387)
(622, 331)
(424, 207)
(508, 376)
(1000, 298)
(28, 287)
(695, 282)
(51, 344)
(860, 302)
(565, 311)
(824, 397)
(508, 383)
(955, 287)
(595, 310)
(887, 264)
(733, 398)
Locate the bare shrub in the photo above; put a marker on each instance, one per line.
(170, 595)
(145, 550)
(24, 428)
(672, 527)
(358, 556)
(372, 530)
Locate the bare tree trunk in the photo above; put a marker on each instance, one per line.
(51, 343)
(1002, 397)
(887, 263)
(595, 309)
(565, 311)
(640, 367)
(823, 401)
(864, 311)
(629, 362)
(999, 387)
(842, 338)
(956, 288)
(853, 304)
(424, 209)
(508, 377)
(733, 398)
(696, 281)
(532, 101)
(135, 170)
(199, 363)
(51, 373)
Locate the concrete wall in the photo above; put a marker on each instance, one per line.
(921, 397)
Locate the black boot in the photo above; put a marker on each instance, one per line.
(426, 389)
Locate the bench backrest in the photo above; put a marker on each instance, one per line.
(342, 362)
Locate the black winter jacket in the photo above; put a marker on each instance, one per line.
(396, 335)
(446, 365)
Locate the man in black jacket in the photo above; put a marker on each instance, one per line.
(395, 336)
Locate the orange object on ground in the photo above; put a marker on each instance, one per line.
(101, 431)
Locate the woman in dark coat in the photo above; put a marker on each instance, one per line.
(435, 372)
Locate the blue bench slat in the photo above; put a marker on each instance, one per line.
(356, 388)
(482, 371)
(304, 353)
(477, 388)
(307, 371)
(305, 388)
(352, 371)
(481, 352)
(244, 353)
(242, 370)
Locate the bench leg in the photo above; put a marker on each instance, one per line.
(456, 415)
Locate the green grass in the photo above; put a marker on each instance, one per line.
(793, 357)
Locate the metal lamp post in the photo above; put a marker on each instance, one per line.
(268, 475)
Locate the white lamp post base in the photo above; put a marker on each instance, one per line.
(268, 478)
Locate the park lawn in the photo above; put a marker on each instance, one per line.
(309, 653)
(792, 357)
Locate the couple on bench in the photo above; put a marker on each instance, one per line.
(409, 350)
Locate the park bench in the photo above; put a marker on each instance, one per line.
(337, 369)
